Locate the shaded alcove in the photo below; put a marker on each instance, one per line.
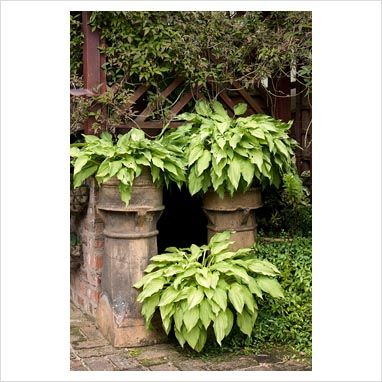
(183, 221)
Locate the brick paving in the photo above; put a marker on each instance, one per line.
(90, 351)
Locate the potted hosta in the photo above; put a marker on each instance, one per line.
(209, 287)
(131, 156)
(229, 160)
(130, 172)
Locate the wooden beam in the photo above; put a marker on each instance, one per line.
(165, 93)
(184, 100)
(252, 102)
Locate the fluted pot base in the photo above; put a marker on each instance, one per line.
(122, 335)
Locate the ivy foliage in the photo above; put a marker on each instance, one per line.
(101, 157)
(76, 44)
(222, 46)
(288, 321)
(152, 48)
(232, 154)
(208, 286)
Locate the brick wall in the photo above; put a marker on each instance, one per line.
(85, 282)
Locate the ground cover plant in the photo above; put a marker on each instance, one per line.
(208, 286)
(125, 159)
(282, 324)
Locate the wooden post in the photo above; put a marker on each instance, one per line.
(282, 103)
(93, 74)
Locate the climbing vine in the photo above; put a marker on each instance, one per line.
(220, 47)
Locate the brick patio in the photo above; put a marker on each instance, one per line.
(90, 351)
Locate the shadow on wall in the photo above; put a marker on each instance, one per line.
(183, 221)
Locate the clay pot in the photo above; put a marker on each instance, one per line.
(233, 214)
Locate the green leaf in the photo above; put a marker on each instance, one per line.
(218, 108)
(220, 325)
(192, 336)
(202, 108)
(245, 323)
(191, 317)
(247, 171)
(214, 279)
(220, 297)
(149, 306)
(220, 247)
(125, 192)
(158, 162)
(270, 286)
(281, 147)
(178, 318)
(168, 296)
(202, 340)
(103, 169)
(166, 322)
(182, 276)
(147, 278)
(137, 135)
(80, 163)
(236, 297)
(249, 300)
(258, 266)
(240, 108)
(85, 173)
(257, 158)
(107, 137)
(205, 313)
(234, 172)
(220, 237)
(171, 168)
(151, 287)
(75, 152)
(179, 337)
(195, 183)
(224, 256)
(235, 139)
(203, 162)
(229, 321)
(201, 280)
(195, 153)
(239, 271)
(196, 295)
(166, 311)
(115, 167)
(171, 258)
(254, 288)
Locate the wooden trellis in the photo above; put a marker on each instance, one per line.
(277, 103)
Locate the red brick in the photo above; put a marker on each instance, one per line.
(96, 262)
(99, 243)
(93, 278)
(80, 301)
(98, 228)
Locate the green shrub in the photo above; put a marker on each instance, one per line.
(288, 321)
(198, 288)
(281, 216)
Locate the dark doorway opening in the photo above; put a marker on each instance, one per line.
(183, 221)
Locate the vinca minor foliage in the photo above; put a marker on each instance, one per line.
(232, 154)
(125, 160)
(209, 286)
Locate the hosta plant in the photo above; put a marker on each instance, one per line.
(208, 286)
(125, 159)
(232, 154)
